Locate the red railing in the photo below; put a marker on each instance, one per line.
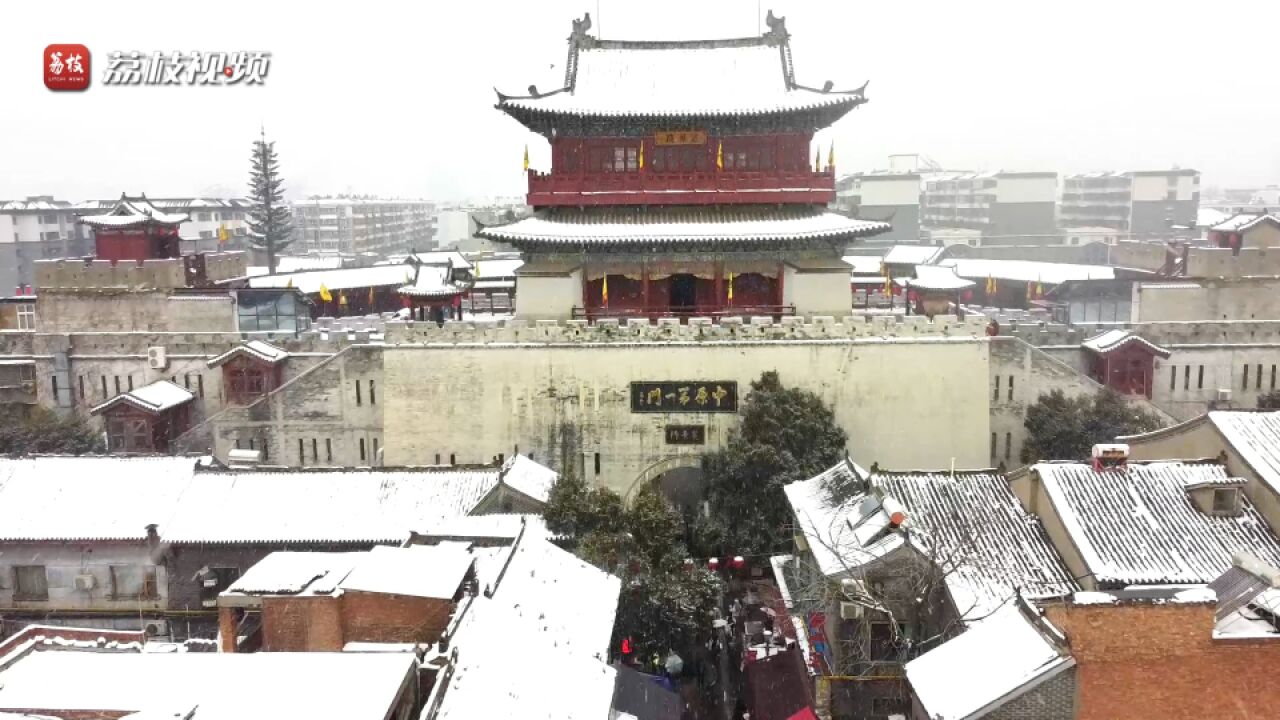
(652, 188)
(653, 313)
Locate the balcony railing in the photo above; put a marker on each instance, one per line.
(703, 188)
(715, 313)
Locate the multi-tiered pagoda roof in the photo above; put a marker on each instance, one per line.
(731, 78)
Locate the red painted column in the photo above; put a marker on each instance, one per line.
(644, 284)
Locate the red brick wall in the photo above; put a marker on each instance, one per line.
(301, 624)
(1160, 661)
(377, 617)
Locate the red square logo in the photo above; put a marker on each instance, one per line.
(66, 67)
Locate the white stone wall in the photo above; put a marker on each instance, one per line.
(548, 297)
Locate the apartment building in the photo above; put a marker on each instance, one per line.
(1008, 208)
(1145, 204)
(36, 228)
(887, 196)
(362, 225)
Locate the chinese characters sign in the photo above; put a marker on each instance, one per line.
(699, 396)
(66, 67)
(680, 137)
(686, 435)
(193, 68)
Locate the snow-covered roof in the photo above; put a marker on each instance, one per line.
(157, 397)
(289, 572)
(680, 225)
(497, 267)
(744, 76)
(911, 254)
(1112, 340)
(433, 281)
(1255, 436)
(555, 608)
(354, 505)
(1135, 525)
(864, 264)
(223, 686)
(446, 258)
(1028, 270)
(89, 497)
(991, 663)
(1242, 222)
(264, 351)
(528, 477)
(130, 212)
(428, 571)
(968, 521)
(933, 277)
(309, 281)
(1208, 217)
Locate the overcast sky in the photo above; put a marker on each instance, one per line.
(397, 99)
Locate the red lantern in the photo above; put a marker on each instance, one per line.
(626, 646)
(739, 562)
(713, 564)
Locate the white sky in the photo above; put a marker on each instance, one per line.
(396, 98)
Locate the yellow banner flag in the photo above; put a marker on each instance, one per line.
(720, 155)
(641, 154)
(817, 158)
(730, 287)
(526, 157)
(289, 285)
(223, 235)
(370, 297)
(342, 298)
(831, 156)
(325, 295)
(604, 292)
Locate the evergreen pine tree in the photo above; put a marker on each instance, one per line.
(270, 223)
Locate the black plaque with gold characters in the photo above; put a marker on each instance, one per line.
(692, 396)
(686, 435)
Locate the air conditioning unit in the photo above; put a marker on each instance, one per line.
(1223, 395)
(850, 611)
(155, 628)
(86, 582)
(157, 359)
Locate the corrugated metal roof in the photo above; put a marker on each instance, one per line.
(1137, 525)
(676, 225)
(1256, 437)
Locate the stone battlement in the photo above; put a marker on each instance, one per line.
(672, 330)
(90, 274)
(1194, 332)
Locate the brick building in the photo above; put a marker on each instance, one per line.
(315, 601)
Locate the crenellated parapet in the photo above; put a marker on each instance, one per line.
(755, 329)
(90, 274)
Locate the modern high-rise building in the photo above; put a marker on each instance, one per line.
(359, 225)
(1008, 208)
(1142, 203)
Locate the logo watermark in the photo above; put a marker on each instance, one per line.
(66, 66)
(191, 68)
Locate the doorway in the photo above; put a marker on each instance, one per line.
(684, 292)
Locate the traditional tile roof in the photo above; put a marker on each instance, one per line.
(968, 521)
(1112, 340)
(133, 212)
(434, 281)
(932, 277)
(645, 227)
(89, 497)
(309, 281)
(1136, 525)
(157, 397)
(257, 349)
(911, 254)
(1242, 222)
(1028, 270)
(702, 78)
(528, 477)
(988, 665)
